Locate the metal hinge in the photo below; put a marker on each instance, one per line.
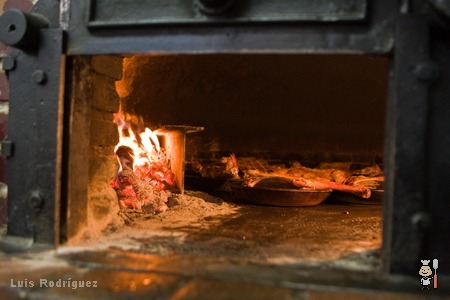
(6, 148)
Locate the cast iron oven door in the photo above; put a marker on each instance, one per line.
(417, 157)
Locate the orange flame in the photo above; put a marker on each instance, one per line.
(145, 144)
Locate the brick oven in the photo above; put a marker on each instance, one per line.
(325, 81)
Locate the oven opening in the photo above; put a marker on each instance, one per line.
(265, 158)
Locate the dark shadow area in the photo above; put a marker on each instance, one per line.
(312, 107)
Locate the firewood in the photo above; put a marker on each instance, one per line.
(142, 189)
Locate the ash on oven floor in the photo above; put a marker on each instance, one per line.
(198, 224)
(212, 249)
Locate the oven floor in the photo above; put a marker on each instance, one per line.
(222, 251)
(204, 225)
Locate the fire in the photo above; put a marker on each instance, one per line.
(144, 180)
(145, 146)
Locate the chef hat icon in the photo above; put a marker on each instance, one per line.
(425, 262)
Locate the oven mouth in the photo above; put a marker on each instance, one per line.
(272, 108)
(63, 96)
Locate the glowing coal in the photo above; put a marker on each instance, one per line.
(144, 180)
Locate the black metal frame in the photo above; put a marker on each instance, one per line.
(417, 158)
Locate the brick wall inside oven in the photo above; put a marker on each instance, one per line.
(24, 5)
(91, 202)
(103, 136)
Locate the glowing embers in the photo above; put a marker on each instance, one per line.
(145, 180)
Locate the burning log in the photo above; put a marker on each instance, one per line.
(145, 180)
(143, 189)
(123, 183)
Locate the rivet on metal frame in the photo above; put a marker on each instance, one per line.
(427, 72)
(39, 77)
(213, 7)
(8, 63)
(422, 220)
(36, 199)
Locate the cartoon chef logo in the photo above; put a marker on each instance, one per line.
(426, 273)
